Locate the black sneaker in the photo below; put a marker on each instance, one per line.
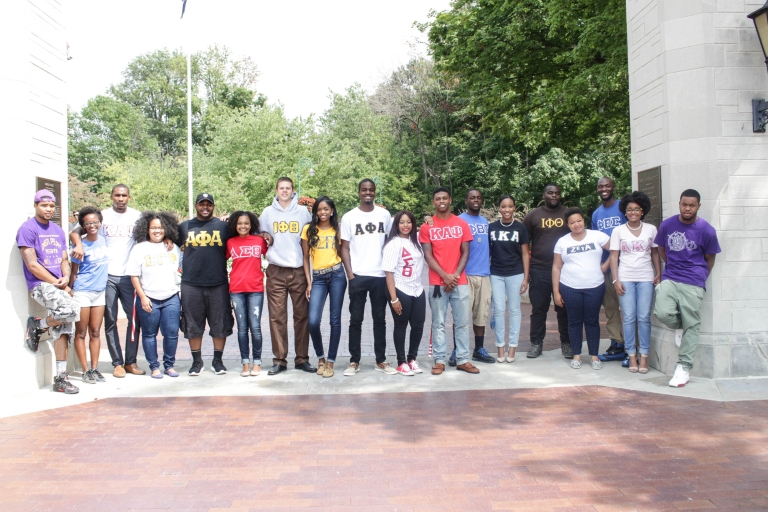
(62, 385)
(196, 369)
(535, 350)
(567, 351)
(218, 367)
(483, 356)
(88, 377)
(97, 375)
(34, 331)
(452, 359)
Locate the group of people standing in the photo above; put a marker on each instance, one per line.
(143, 260)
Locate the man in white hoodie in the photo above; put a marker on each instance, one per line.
(284, 220)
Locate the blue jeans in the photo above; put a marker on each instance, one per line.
(459, 301)
(583, 306)
(636, 306)
(247, 308)
(165, 317)
(506, 291)
(335, 285)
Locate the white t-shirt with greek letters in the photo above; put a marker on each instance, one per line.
(406, 262)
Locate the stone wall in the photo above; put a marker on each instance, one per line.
(33, 142)
(695, 66)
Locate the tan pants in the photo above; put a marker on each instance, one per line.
(479, 299)
(282, 282)
(612, 312)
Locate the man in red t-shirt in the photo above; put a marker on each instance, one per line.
(446, 250)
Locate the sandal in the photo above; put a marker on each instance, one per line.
(633, 367)
(644, 361)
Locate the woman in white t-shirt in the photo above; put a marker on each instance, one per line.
(154, 272)
(632, 245)
(578, 283)
(402, 262)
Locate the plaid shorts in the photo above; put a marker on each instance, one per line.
(60, 305)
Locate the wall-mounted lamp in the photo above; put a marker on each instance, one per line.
(760, 107)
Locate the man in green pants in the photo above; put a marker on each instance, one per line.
(688, 245)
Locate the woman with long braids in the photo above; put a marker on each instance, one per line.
(326, 277)
(403, 262)
(154, 272)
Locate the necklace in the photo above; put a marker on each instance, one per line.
(638, 228)
(506, 225)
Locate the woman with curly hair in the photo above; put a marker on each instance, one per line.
(640, 270)
(154, 272)
(88, 282)
(246, 285)
(321, 245)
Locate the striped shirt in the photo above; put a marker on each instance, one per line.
(406, 262)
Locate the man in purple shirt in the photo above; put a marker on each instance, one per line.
(43, 247)
(688, 245)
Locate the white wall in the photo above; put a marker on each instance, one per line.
(695, 66)
(33, 142)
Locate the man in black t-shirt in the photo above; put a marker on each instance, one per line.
(545, 226)
(204, 283)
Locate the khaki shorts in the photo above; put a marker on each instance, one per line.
(479, 299)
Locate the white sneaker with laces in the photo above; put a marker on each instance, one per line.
(678, 337)
(680, 378)
(352, 369)
(405, 370)
(576, 364)
(386, 368)
(415, 367)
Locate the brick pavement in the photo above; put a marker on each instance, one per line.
(577, 448)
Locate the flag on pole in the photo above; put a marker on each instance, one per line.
(183, 7)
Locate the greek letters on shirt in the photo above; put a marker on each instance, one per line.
(204, 239)
(151, 260)
(247, 251)
(118, 231)
(445, 233)
(504, 236)
(608, 223)
(407, 262)
(552, 223)
(369, 228)
(478, 229)
(581, 248)
(677, 241)
(628, 247)
(286, 227)
(51, 247)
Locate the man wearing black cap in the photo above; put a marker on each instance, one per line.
(204, 283)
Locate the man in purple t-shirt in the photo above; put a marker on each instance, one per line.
(688, 245)
(43, 247)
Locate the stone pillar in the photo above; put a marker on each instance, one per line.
(695, 66)
(33, 142)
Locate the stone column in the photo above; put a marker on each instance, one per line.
(33, 142)
(695, 66)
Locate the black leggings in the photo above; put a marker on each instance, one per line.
(414, 312)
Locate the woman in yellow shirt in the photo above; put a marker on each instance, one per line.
(326, 276)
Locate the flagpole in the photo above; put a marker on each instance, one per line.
(189, 123)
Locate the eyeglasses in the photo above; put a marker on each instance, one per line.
(635, 210)
(89, 224)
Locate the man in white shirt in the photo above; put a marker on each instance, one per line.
(117, 229)
(363, 232)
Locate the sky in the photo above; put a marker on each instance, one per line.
(303, 49)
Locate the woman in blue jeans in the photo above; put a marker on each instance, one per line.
(640, 270)
(154, 272)
(509, 275)
(325, 277)
(578, 283)
(246, 286)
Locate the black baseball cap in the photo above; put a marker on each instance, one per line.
(204, 197)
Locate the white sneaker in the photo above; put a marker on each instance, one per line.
(415, 367)
(352, 369)
(385, 367)
(576, 364)
(678, 337)
(680, 378)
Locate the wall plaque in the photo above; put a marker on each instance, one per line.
(55, 187)
(649, 181)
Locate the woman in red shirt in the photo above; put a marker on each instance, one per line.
(246, 285)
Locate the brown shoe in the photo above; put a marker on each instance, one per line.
(134, 369)
(468, 367)
(438, 369)
(119, 372)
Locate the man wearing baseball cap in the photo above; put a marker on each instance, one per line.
(43, 246)
(204, 283)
